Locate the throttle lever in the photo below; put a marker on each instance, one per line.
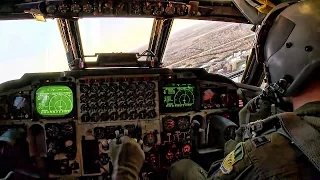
(118, 140)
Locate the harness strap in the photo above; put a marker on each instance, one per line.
(303, 135)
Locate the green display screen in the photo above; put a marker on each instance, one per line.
(54, 101)
(178, 95)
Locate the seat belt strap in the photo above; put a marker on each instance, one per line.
(303, 135)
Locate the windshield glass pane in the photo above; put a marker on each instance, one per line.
(29, 46)
(107, 35)
(219, 47)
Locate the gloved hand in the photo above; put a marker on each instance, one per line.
(127, 158)
(254, 110)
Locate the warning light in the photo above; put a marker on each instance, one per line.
(240, 103)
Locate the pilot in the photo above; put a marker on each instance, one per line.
(291, 49)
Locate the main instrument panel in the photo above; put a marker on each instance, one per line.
(71, 117)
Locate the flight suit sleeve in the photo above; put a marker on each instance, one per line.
(235, 165)
(127, 159)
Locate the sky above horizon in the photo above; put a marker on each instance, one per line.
(29, 46)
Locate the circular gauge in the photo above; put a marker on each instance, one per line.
(112, 105)
(151, 104)
(151, 114)
(94, 97)
(184, 96)
(83, 98)
(104, 117)
(103, 98)
(63, 8)
(151, 85)
(99, 132)
(124, 115)
(123, 86)
(142, 115)
(75, 8)
(150, 95)
(110, 132)
(142, 86)
(51, 9)
(136, 9)
(103, 106)
(147, 9)
(104, 87)
(113, 87)
(114, 116)
(170, 10)
(121, 98)
(85, 117)
(132, 87)
(133, 115)
(67, 129)
(95, 117)
(84, 88)
(112, 98)
(183, 123)
(169, 124)
(88, 8)
(52, 130)
(149, 139)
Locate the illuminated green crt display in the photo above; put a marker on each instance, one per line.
(178, 95)
(54, 100)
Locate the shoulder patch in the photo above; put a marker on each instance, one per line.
(232, 158)
(258, 141)
(238, 152)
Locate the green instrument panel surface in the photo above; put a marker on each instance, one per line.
(178, 95)
(54, 100)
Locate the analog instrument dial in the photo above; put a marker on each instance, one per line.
(110, 132)
(169, 124)
(85, 117)
(150, 139)
(99, 132)
(183, 123)
(104, 87)
(67, 129)
(52, 130)
(84, 88)
(95, 117)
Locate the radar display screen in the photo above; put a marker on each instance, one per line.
(54, 101)
(178, 95)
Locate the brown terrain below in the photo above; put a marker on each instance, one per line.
(215, 46)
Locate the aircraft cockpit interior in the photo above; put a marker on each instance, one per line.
(174, 111)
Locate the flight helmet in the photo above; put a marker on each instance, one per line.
(288, 43)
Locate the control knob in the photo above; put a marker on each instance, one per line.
(104, 158)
